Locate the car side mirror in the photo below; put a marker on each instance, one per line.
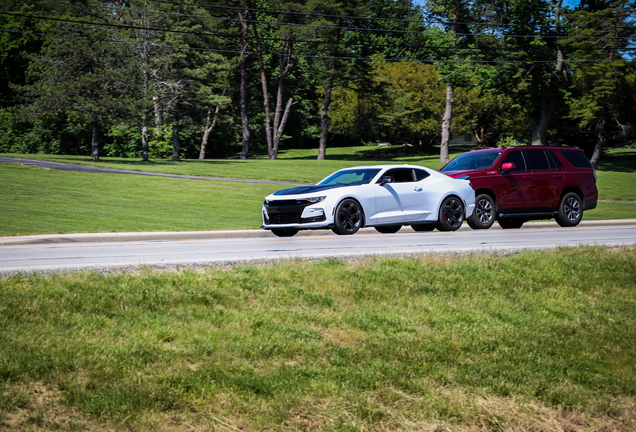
(387, 179)
(508, 166)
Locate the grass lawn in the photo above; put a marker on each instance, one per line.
(529, 342)
(38, 201)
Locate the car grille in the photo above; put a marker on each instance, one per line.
(275, 218)
(284, 218)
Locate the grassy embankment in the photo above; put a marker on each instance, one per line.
(530, 342)
(36, 201)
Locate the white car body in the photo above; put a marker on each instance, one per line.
(389, 196)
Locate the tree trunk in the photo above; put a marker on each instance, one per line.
(244, 88)
(324, 119)
(548, 105)
(280, 114)
(208, 130)
(175, 139)
(541, 122)
(446, 123)
(144, 142)
(95, 140)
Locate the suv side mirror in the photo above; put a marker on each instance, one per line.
(386, 179)
(508, 166)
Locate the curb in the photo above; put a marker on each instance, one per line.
(203, 235)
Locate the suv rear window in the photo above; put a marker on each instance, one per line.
(576, 158)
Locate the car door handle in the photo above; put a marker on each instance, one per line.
(417, 189)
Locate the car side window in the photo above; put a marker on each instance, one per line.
(400, 175)
(420, 174)
(517, 158)
(537, 160)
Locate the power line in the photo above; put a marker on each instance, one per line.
(354, 28)
(321, 57)
(225, 35)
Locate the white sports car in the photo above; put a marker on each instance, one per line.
(385, 197)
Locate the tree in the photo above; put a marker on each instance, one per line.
(536, 77)
(601, 31)
(83, 76)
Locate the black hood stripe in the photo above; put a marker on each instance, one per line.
(302, 190)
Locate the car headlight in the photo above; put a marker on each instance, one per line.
(315, 200)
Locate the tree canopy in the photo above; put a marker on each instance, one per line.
(186, 79)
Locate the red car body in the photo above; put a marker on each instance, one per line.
(517, 184)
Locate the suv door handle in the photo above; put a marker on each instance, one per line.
(527, 177)
(557, 176)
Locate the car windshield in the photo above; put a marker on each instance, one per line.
(351, 176)
(472, 161)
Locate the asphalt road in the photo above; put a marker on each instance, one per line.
(51, 254)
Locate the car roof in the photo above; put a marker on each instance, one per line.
(383, 166)
(523, 147)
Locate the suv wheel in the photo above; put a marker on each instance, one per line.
(510, 223)
(570, 210)
(484, 215)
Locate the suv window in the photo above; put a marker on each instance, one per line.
(537, 160)
(576, 158)
(517, 158)
(555, 163)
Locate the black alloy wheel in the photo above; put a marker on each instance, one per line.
(484, 215)
(388, 229)
(451, 214)
(348, 218)
(285, 232)
(510, 223)
(570, 210)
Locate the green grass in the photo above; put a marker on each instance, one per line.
(38, 201)
(535, 341)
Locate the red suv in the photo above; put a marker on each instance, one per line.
(517, 184)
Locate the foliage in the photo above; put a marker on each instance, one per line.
(171, 69)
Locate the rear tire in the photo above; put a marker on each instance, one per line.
(484, 215)
(570, 210)
(348, 217)
(451, 214)
(510, 223)
(388, 229)
(285, 232)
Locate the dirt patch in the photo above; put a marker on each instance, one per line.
(42, 409)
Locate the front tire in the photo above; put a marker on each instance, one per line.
(451, 214)
(388, 229)
(348, 217)
(484, 215)
(285, 232)
(570, 210)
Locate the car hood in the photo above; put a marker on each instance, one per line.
(303, 190)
